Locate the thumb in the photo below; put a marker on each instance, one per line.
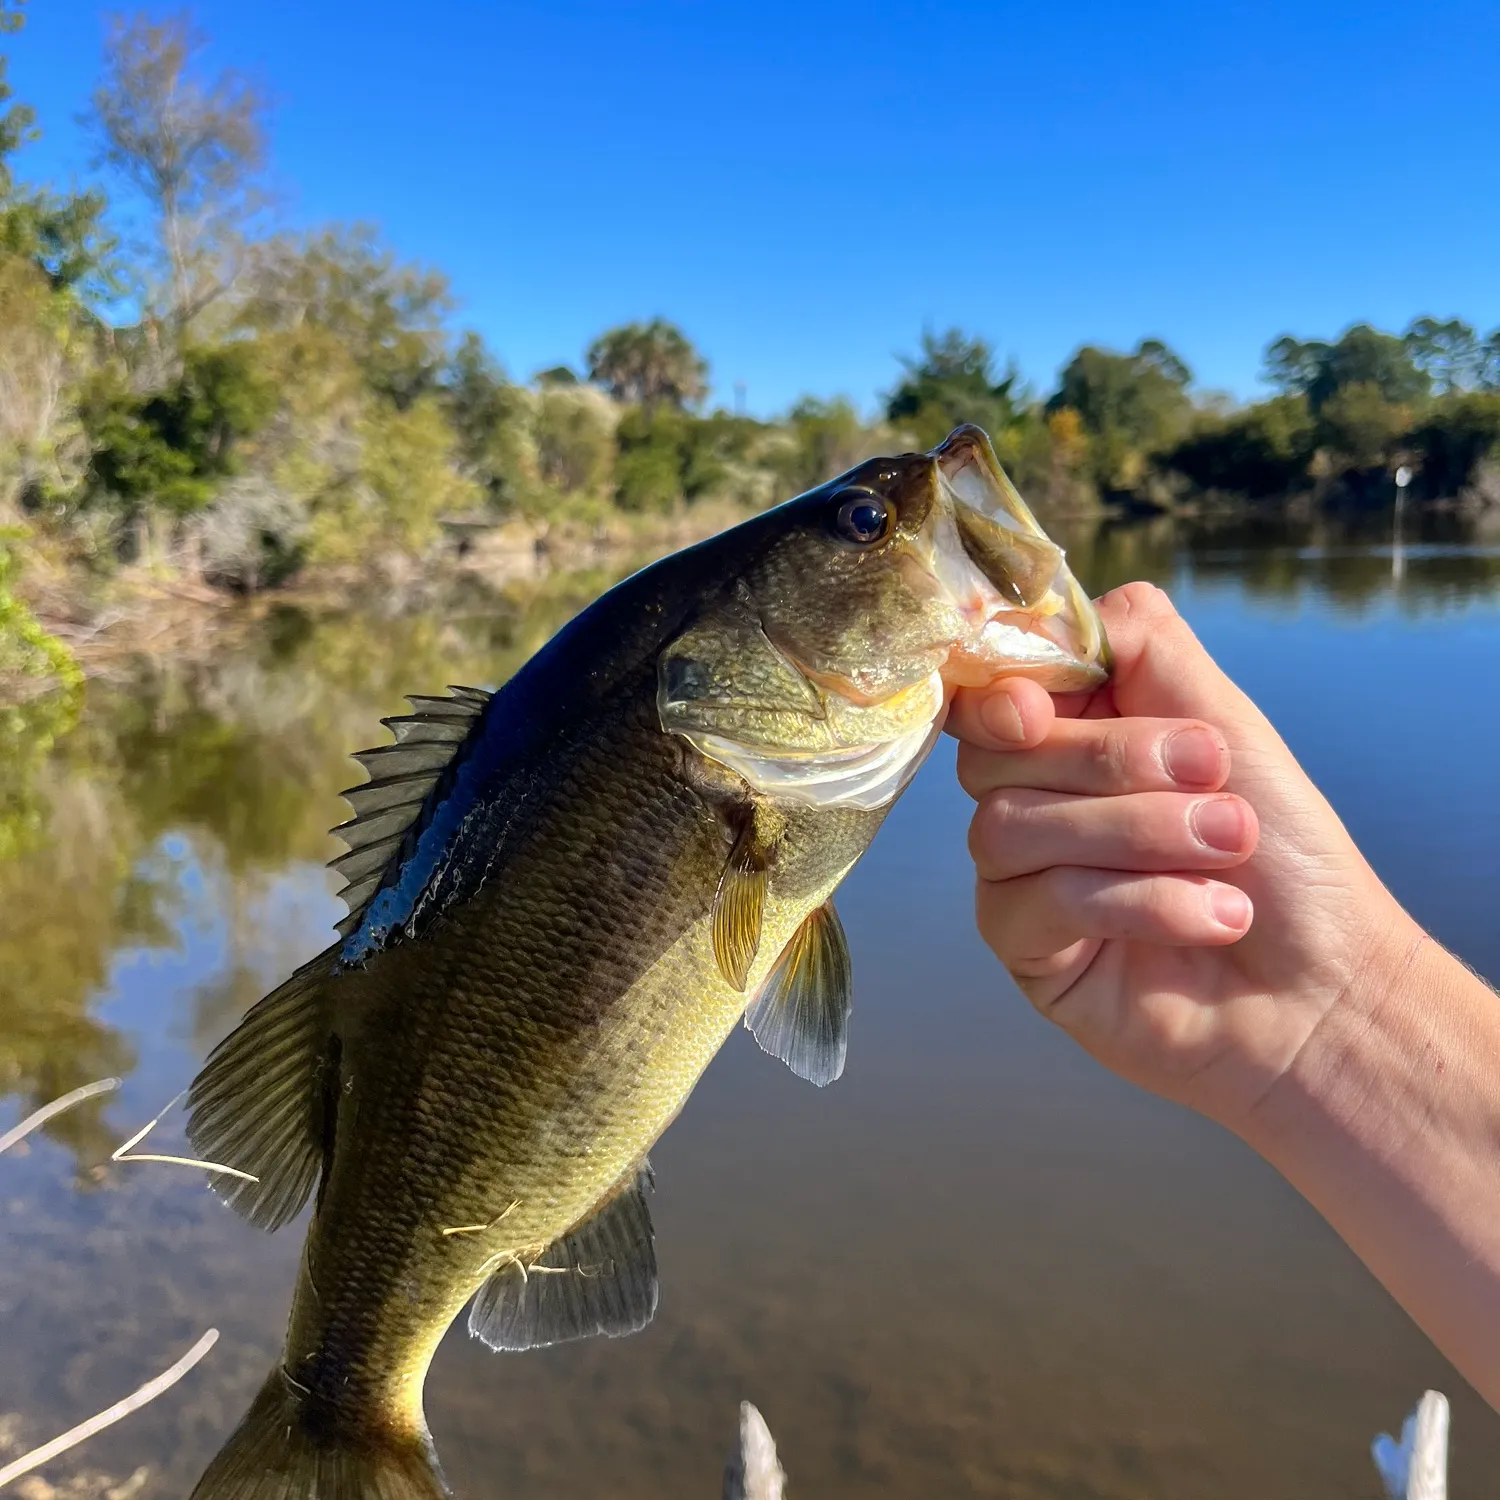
(1161, 668)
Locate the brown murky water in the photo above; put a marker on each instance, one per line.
(976, 1266)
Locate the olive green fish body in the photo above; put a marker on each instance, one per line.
(501, 1079)
(563, 897)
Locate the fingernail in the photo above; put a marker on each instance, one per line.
(1230, 906)
(1192, 756)
(999, 714)
(1220, 824)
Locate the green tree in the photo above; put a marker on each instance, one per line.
(652, 456)
(63, 236)
(166, 450)
(55, 259)
(951, 381)
(649, 364)
(1360, 425)
(1456, 437)
(407, 482)
(17, 120)
(1131, 406)
(1449, 353)
(489, 417)
(1487, 366)
(1261, 451)
(575, 440)
(192, 147)
(390, 317)
(821, 439)
(1362, 355)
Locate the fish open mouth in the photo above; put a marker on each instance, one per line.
(1026, 615)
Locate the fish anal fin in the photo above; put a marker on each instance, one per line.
(258, 1104)
(600, 1277)
(801, 1012)
(740, 906)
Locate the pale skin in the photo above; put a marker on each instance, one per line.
(1166, 884)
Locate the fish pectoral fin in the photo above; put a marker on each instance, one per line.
(600, 1277)
(740, 906)
(801, 1012)
(260, 1104)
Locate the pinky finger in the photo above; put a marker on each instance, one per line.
(1032, 919)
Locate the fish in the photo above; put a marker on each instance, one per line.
(563, 897)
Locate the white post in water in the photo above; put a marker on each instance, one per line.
(753, 1471)
(1398, 556)
(1416, 1468)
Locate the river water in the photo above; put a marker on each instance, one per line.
(976, 1266)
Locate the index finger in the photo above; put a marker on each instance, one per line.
(1011, 713)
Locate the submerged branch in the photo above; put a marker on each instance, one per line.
(123, 1152)
(75, 1435)
(32, 1122)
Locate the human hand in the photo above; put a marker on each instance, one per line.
(1159, 874)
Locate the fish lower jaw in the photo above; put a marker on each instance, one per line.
(1020, 643)
(866, 777)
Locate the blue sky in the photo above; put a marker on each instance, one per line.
(804, 186)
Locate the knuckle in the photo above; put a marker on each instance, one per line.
(1058, 889)
(1111, 758)
(975, 769)
(997, 822)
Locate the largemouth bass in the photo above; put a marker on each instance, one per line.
(563, 897)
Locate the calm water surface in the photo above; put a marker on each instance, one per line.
(976, 1266)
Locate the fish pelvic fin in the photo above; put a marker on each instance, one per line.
(801, 1013)
(262, 1102)
(278, 1452)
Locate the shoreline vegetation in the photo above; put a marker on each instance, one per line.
(232, 409)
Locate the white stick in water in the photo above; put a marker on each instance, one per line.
(1416, 1468)
(35, 1121)
(75, 1435)
(753, 1471)
(124, 1152)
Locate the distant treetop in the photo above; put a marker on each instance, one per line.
(649, 364)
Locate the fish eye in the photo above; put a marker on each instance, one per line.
(863, 517)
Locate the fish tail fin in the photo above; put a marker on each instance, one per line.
(277, 1453)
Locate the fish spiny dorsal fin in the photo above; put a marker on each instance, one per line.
(600, 1277)
(402, 777)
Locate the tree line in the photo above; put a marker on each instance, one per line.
(249, 400)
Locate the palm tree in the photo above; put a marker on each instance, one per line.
(648, 363)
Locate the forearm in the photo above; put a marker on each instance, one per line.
(1389, 1124)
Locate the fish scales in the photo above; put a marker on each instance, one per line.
(534, 1050)
(637, 836)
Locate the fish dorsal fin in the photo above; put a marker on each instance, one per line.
(258, 1104)
(801, 1012)
(600, 1277)
(402, 776)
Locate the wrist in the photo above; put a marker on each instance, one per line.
(1388, 1123)
(1404, 1062)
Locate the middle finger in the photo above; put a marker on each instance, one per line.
(1017, 831)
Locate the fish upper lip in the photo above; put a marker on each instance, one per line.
(974, 597)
